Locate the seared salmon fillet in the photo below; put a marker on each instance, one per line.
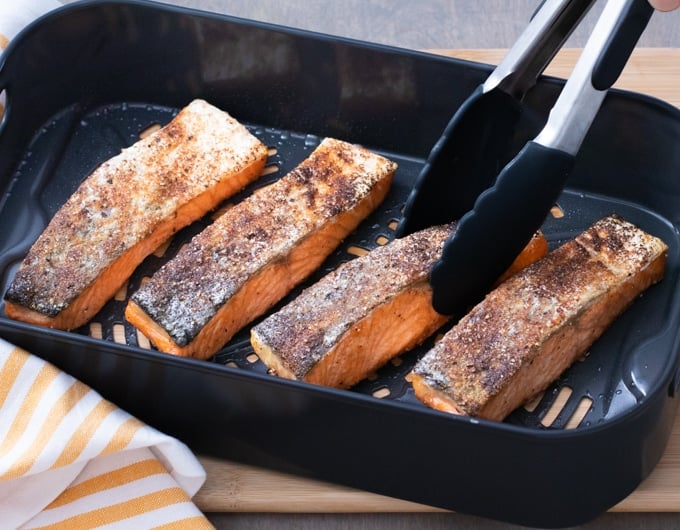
(258, 250)
(366, 312)
(532, 327)
(126, 208)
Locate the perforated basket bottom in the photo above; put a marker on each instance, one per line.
(605, 383)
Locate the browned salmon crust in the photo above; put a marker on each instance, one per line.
(358, 317)
(126, 208)
(307, 334)
(532, 327)
(259, 249)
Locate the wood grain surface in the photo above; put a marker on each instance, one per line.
(651, 71)
(232, 487)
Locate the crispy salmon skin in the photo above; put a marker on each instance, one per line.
(366, 312)
(533, 326)
(258, 250)
(126, 208)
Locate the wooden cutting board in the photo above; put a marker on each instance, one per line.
(232, 487)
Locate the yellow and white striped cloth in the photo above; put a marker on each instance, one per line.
(71, 459)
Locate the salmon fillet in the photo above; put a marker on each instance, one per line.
(258, 250)
(366, 312)
(532, 327)
(126, 208)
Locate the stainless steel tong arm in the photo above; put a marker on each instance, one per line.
(520, 197)
(596, 70)
(543, 37)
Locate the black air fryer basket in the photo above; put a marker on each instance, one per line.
(84, 81)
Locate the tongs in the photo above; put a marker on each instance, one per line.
(470, 175)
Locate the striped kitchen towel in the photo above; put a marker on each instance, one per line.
(71, 459)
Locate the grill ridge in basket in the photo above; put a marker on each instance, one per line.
(577, 398)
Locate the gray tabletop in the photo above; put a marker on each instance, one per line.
(421, 23)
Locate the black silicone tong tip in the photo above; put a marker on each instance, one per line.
(533, 179)
(464, 162)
